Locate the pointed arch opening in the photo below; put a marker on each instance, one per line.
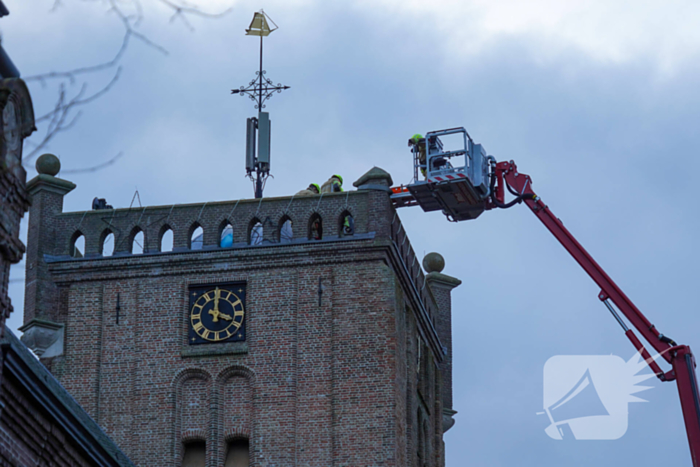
(347, 224)
(77, 245)
(166, 239)
(315, 227)
(226, 237)
(138, 241)
(255, 232)
(107, 243)
(196, 237)
(286, 232)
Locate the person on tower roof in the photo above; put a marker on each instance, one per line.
(333, 185)
(313, 189)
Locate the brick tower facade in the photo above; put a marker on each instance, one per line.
(341, 355)
(16, 123)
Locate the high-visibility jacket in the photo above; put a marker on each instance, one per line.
(306, 192)
(332, 185)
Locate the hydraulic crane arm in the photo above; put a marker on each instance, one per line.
(505, 175)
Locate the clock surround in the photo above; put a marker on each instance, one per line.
(216, 313)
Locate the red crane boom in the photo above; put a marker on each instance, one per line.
(680, 357)
(465, 191)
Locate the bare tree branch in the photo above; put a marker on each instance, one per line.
(96, 167)
(77, 101)
(59, 115)
(191, 8)
(130, 14)
(70, 75)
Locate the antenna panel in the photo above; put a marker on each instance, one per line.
(264, 131)
(250, 145)
(479, 168)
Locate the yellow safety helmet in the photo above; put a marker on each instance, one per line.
(415, 139)
(315, 185)
(339, 178)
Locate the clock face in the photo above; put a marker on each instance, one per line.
(217, 313)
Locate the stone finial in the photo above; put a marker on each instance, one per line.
(374, 179)
(433, 262)
(48, 164)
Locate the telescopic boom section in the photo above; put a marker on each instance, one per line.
(679, 356)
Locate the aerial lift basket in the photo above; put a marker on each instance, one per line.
(442, 182)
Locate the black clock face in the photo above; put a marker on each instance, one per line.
(216, 313)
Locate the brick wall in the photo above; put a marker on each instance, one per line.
(327, 374)
(28, 437)
(13, 193)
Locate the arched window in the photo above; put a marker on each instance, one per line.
(107, 243)
(137, 241)
(226, 235)
(166, 239)
(197, 238)
(237, 453)
(347, 224)
(255, 236)
(194, 454)
(77, 245)
(315, 227)
(286, 232)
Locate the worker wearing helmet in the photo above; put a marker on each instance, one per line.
(348, 225)
(333, 185)
(313, 189)
(418, 142)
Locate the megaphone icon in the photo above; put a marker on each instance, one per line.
(582, 400)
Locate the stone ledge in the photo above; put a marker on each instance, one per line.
(439, 279)
(49, 183)
(205, 350)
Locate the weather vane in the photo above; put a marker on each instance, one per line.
(259, 90)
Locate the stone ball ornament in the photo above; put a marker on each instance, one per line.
(48, 164)
(433, 262)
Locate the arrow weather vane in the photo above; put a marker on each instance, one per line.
(260, 88)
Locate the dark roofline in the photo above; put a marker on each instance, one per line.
(3, 10)
(7, 68)
(53, 398)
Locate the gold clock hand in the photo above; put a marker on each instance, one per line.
(215, 313)
(225, 316)
(217, 296)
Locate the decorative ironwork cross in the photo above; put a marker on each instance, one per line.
(260, 88)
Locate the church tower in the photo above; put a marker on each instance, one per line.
(290, 331)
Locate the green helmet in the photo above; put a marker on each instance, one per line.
(315, 185)
(339, 178)
(417, 137)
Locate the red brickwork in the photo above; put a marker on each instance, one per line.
(27, 437)
(40, 424)
(328, 374)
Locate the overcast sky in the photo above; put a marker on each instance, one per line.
(597, 100)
